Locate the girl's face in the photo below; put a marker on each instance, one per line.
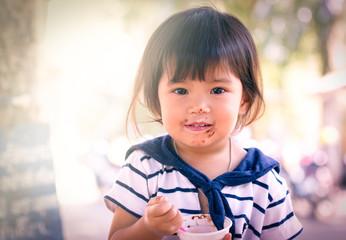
(201, 114)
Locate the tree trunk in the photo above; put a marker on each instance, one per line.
(20, 24)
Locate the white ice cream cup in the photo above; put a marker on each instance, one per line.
(201, 227)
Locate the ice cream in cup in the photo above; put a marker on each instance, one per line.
(201, 227)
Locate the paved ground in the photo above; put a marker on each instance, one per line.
(91, 222)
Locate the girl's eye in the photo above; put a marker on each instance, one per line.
(180, 91)
(217, 90)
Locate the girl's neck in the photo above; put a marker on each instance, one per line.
(212, 162)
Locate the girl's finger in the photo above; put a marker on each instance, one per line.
(227, 237)
(156, 200)
(159, 208)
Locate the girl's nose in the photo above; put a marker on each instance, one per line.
(199, 107)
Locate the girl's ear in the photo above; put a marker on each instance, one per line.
(244, 105)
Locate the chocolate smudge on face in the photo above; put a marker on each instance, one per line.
(184, 122)
(210, 133)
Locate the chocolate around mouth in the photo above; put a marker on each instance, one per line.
(210, 133)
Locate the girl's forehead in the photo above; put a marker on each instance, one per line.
(220, 71)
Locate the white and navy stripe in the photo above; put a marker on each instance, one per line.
(262, 209)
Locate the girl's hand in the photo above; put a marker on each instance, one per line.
(162, 217)
(228, 236)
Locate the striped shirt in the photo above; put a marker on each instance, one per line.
(262, 208)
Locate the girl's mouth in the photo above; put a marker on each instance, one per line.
(197, 127)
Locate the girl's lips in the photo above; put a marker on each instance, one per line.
(198, 127)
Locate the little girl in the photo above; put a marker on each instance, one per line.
(200, 77)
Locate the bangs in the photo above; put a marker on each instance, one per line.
(192, 53)
(204, 42)
(192, 66)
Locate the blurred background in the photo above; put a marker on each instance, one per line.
(66, 73)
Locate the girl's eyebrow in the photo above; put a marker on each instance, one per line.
(216, 80)
(171, 82)
(223, 80)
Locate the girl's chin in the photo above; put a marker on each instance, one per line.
(197, 141)
(202, 140)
